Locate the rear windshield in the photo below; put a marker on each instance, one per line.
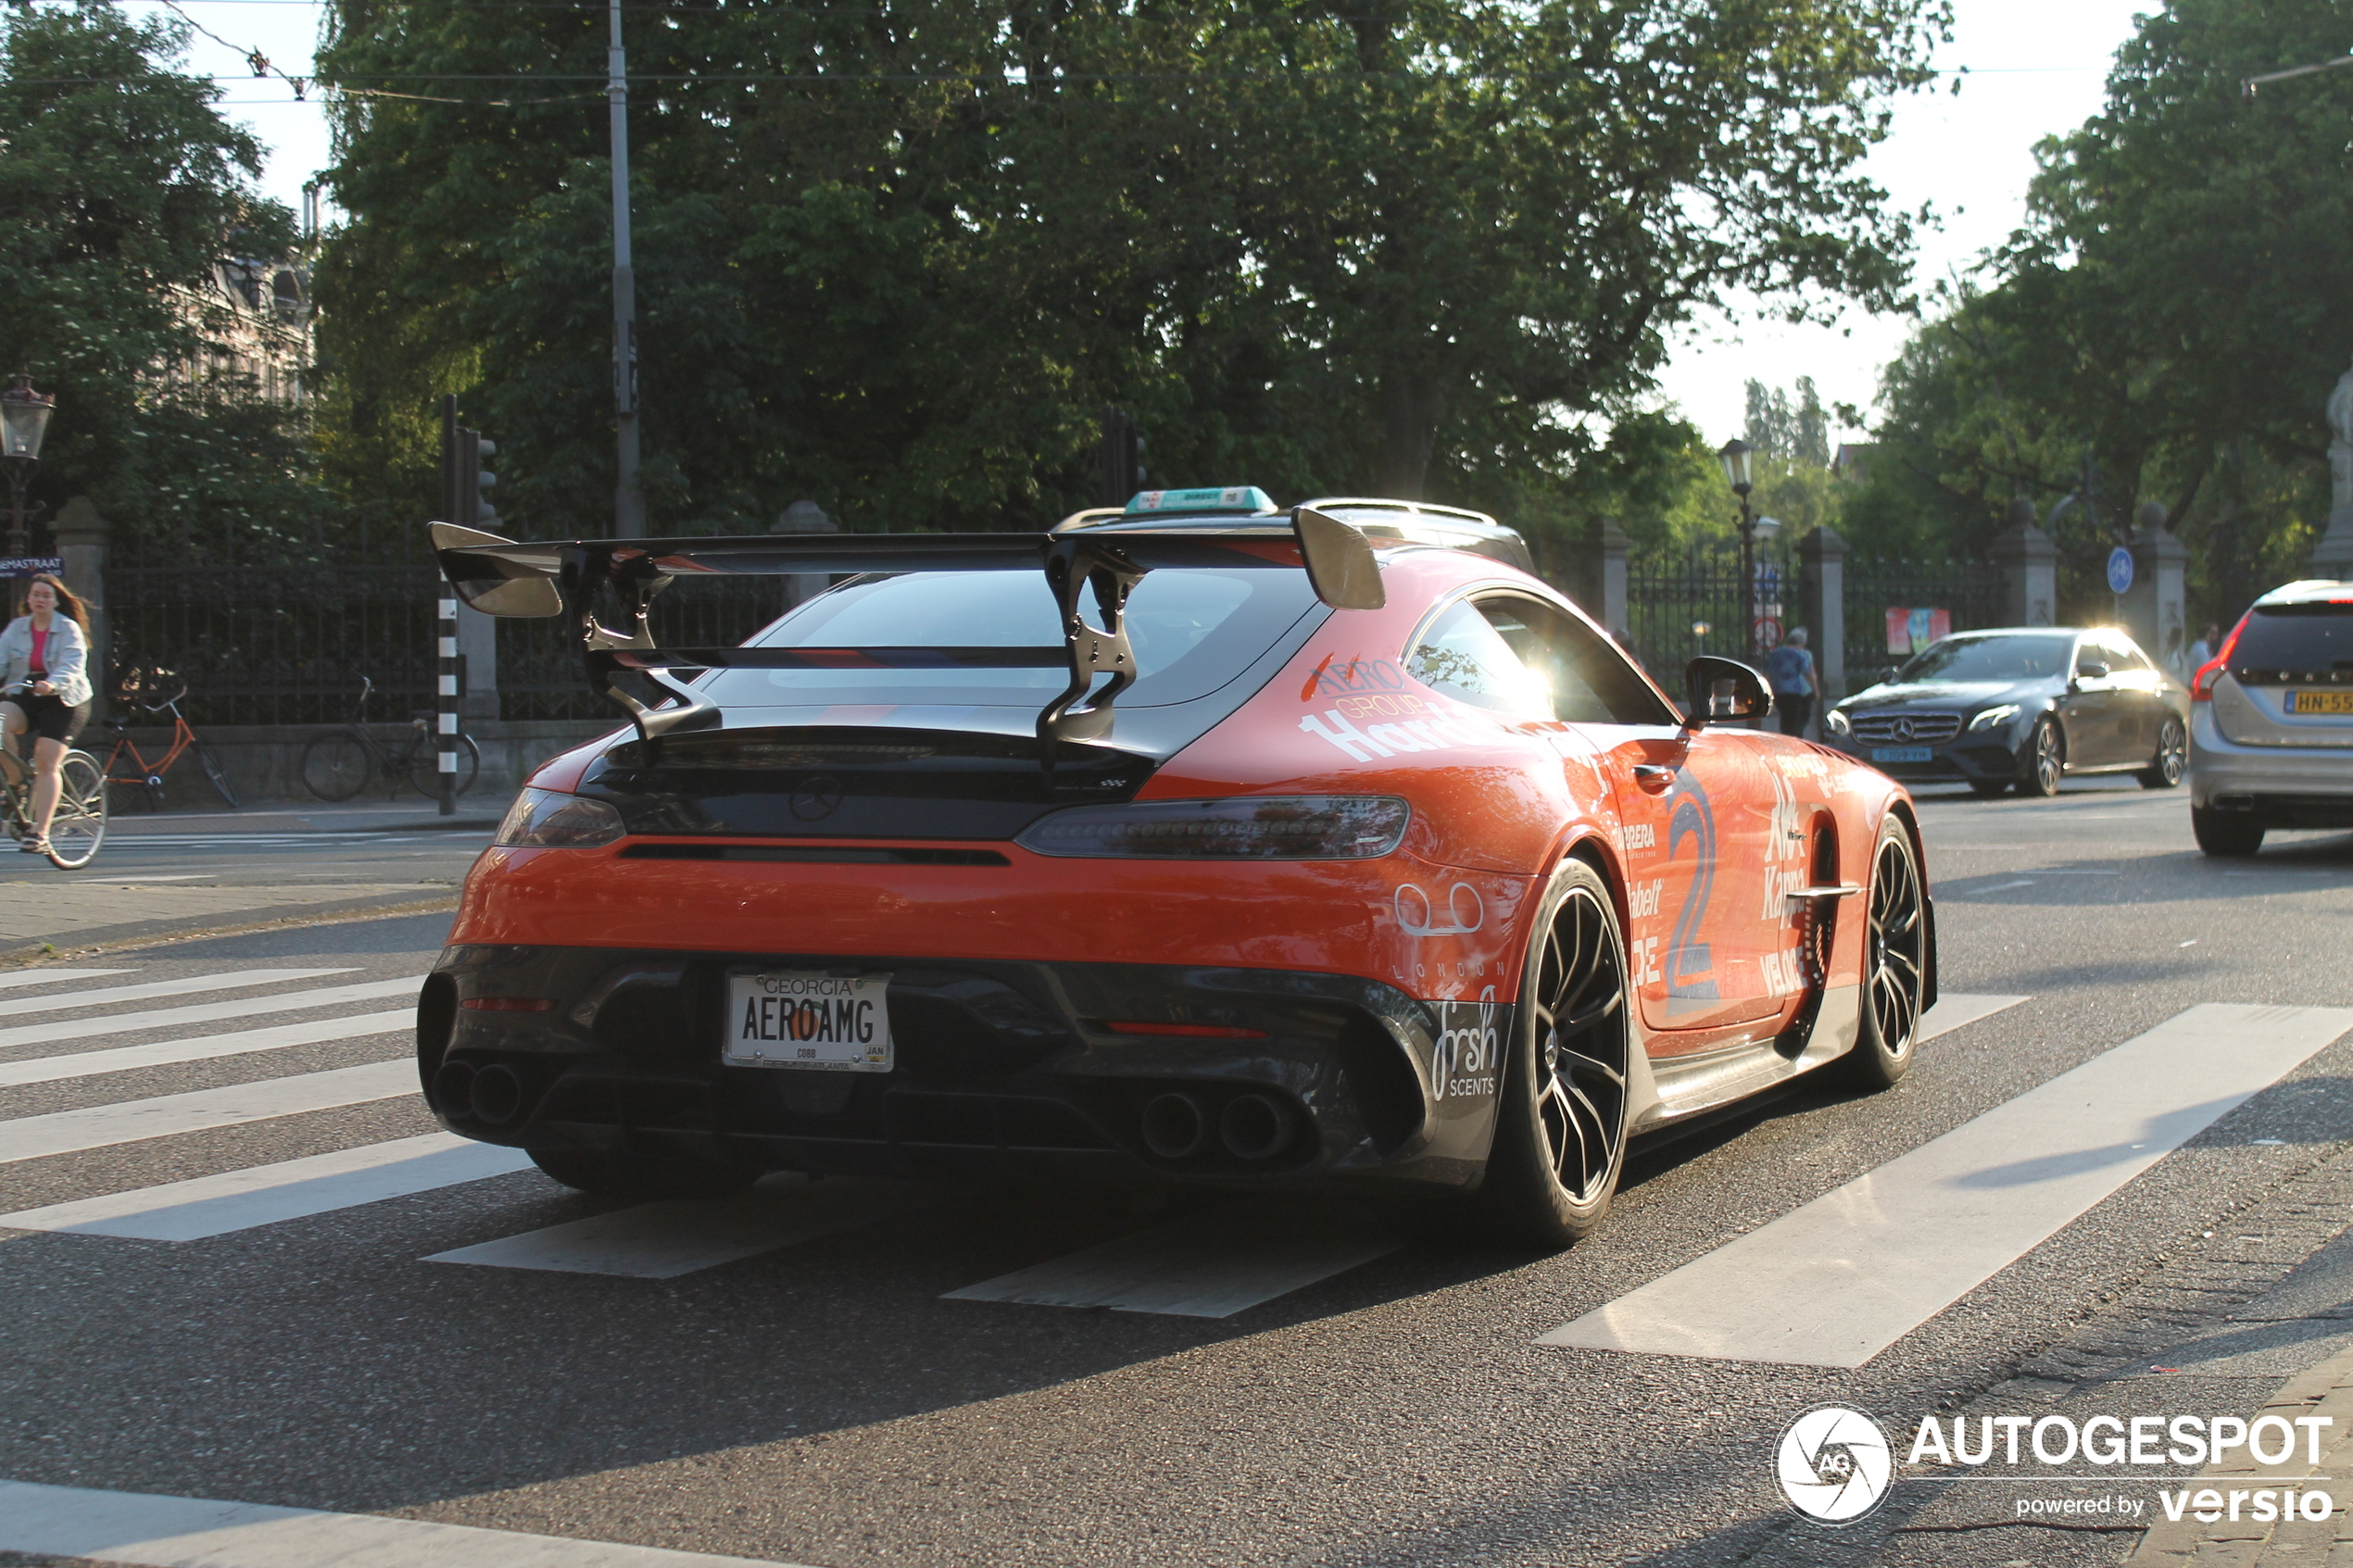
(2031, 657)
(1192, 630)
(2307, 636)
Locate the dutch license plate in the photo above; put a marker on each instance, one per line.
(808, 1019)
(2319, 702)
(1903, 753)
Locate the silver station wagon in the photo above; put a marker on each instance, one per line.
(2272, 722)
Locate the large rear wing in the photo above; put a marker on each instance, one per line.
(566, 578)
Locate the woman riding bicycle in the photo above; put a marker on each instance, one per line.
(44, 688)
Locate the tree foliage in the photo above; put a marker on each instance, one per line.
(896, 257)
(121, 185)
(2167, 326)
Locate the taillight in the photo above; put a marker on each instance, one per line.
(2202, 683)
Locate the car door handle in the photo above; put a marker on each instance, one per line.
(1654, 777)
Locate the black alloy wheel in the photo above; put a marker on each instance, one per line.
(1895, 961)
(1560, 1137)
(2172, 763)
(2045, 760)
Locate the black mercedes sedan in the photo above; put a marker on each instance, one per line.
(2024, 707)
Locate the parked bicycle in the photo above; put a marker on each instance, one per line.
(125, 764)
(79, 825)
(337, 764)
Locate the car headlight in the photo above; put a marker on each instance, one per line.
(1994, 717)
(1250, 827)
(547, 819)
(1835, 722)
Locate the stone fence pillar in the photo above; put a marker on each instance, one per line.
(2154, 607)
(1821, 596)
(2030, 570)
(1614, 547)
(81, 554)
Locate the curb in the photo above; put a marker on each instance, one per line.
(153, 933)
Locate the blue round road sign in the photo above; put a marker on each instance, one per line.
(2119, 570)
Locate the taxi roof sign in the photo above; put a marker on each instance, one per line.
(1232, 499)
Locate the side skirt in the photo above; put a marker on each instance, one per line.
(1688, 1086)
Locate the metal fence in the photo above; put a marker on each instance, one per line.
(1677, 606)
(1970, 593)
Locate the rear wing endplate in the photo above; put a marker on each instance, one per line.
(512, 578)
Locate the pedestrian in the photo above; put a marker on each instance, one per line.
(1791, 669)
(45, 689)
(2209, 643)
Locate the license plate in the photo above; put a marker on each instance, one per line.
(2319, 702)
(1903, 753)
(808, 1019)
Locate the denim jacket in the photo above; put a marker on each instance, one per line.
(67, 656)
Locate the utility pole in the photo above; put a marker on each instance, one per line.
(629, 500)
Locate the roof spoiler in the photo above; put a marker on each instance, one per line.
(512, 578)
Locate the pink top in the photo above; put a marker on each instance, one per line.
(40, 667)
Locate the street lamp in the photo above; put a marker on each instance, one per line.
(24, 420)
(1740, 471)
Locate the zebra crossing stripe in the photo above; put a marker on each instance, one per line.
(1835, 1282)
(1209, 1267)
(204, 1047)
(291, 1189)
(664, 1240)
(49, 977)
(152, 989)
(206, 1012)
(101, 1126)
(165, 1532)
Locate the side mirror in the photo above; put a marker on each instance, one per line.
(2091, 669)
(1720, 689)
(516, 588)
(1339, 559)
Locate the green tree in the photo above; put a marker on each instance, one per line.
(121, 185)
(896, 258)
(2166, 328)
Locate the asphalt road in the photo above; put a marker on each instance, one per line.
(821, 1403)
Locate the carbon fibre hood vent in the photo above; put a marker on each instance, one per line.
(812, 782)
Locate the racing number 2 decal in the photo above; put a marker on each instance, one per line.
(1687, 955)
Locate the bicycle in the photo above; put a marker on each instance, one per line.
(79, 825)
(336, 763)
(149, 775)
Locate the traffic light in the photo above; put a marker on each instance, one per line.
(1122, 456)
(464, 480)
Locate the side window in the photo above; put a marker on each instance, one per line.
(1591, 682)
(1518, 656)
(2127, 655)
(1463, 654)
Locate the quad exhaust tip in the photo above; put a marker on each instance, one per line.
(1174, 1126)
(1253, 1127)
(497, 1094)
(453, 1088)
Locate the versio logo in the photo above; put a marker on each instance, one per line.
(1834, 1464)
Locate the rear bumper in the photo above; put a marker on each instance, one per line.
(2282, 787)
(1002, 1069)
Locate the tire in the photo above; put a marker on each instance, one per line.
(424, 767)
(2229, 834)
(334, 765)
(2172, 763)
(1894, 964)
(641, 1175)
(1989, 789)
(1560, 1133)
(78, 826)
(217, 776)
(2045, 763)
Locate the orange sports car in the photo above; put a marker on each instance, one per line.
(1202, 842)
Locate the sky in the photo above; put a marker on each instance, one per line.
(2034, 68)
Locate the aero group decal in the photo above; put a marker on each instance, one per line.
(1372, 714)
(1687, 956)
